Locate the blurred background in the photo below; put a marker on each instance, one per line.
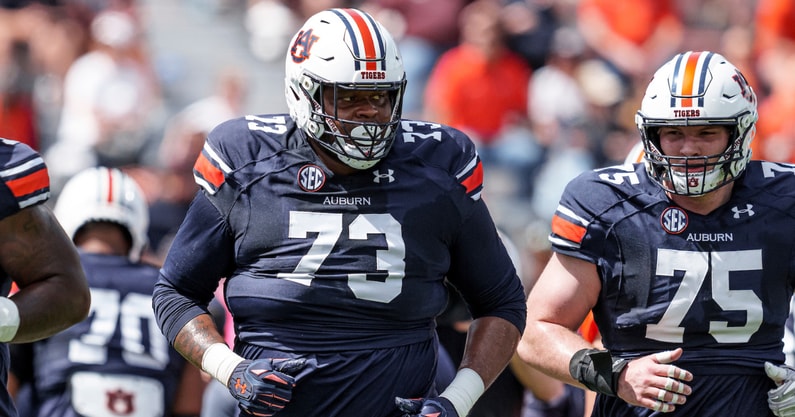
(545, 88)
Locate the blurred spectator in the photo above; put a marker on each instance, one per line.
(480, 87)
(635, 36)
(556, 97)
(423, 29)
(774, 50)
(271, 23)
(774, 25)
(111, 102)
(776, 126)
(170, 184)
(530, 26)
(17, 112)
(34, 53)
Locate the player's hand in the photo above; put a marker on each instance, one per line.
(653, 382)
(263, 387)
(426, 407)
(781, 399)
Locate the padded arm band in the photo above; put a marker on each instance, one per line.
(597, 370)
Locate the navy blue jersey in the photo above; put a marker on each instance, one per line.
(717, 285)
(320, 264)
(23, 182)
(116, 362)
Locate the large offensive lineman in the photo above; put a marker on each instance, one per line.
(685, 258)
(335, 227)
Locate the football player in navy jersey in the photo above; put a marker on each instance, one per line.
(686, 259)
(36, 257)
(116, 362)
(335, 226)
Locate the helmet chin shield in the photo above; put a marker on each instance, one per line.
(343, 50)
(697, 89)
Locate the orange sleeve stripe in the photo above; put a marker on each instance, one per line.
(29, 183)
(209, 171)
(475, 180)
(567, 230)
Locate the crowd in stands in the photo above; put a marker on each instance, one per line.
(546, 89)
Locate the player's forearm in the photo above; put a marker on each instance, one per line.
(491, 342)
(195, 337)
(549, 347)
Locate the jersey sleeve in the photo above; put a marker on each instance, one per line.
(576, 229)
(201, 254)
(216, 161)
(24, 177)
(484, 273)
(447, 149)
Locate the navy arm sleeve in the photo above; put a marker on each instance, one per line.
(201, 254)
(483, 272)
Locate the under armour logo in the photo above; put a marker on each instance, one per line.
(380, 176)
(747, 210)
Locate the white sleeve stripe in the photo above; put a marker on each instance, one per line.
(33, 200)
(570, 214)
(204, 184)
(221, 164)
(22, 168)
(471, 165)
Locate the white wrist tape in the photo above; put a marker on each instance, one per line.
(9, 319)
(219, 361)
(466, 388)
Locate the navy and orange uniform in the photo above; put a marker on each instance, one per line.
(24, 182)
(116, 361)
(717, 285)
(346, 271)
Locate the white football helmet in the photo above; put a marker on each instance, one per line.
(104, 195)
(692, 89)
(344, 49)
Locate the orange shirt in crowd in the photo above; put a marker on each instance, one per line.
(470, 93)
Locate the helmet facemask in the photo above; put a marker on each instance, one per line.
(694, 175)
(357, 144)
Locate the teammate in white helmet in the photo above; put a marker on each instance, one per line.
(115, 362)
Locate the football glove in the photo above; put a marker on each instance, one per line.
(781, 399)
(426, 407)
(263, 387)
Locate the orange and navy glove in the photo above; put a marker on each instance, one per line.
(263, 387)
(426, 407)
